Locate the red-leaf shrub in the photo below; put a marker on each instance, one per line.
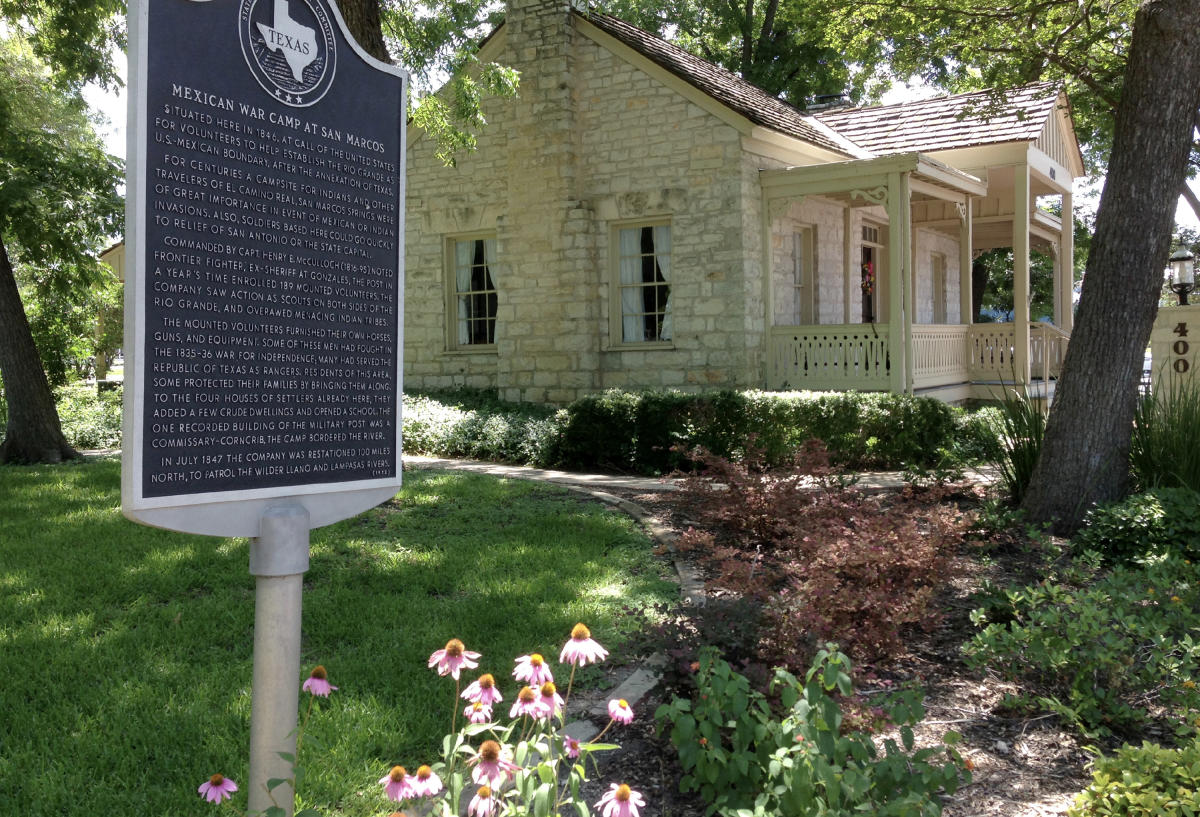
(827, 561)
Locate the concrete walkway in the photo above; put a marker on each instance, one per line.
(867, 480)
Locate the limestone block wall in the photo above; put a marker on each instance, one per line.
(925, 244)
(444, 202)
(593, 143)
(826, 221)
(647, 154)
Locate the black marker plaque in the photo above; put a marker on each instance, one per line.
(270, 251)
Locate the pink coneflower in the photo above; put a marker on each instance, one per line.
(620, 711)
(533, 670)
(451, 659)
(493, 767)
(527, 703)
(581, 649)
(483, 690)
(482, 804)
(572, 746)
(478, 713)
(425, 783)
(318, 683)
(217, 788)
(621, 801)
(397, 784)
(549, 698)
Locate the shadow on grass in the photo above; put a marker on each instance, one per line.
(129, 648)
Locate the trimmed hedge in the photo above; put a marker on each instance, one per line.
(650, 432)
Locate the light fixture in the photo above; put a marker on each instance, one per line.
(1183, 275)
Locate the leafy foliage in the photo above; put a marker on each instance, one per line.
(747, 761)
(1161, 521)
(962, 45)
(58, 186)
(439, 40)
(782, 46)
(652, 432)
(1165, 447)
(1102, 649)
(1143, 781)
(465, 423)
(1024, 425)
(90, 419)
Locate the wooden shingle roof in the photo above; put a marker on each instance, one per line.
(725, 87)
(944, 123)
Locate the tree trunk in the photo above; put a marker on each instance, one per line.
(363, 20)
(1085, 456)
(34, 434)
(979, 282)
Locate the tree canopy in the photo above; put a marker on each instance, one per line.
(788, 48)
(59, 202)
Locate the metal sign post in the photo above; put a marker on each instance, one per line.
(263, 310)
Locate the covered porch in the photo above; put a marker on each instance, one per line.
(882, 301)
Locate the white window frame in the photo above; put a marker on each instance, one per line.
(454, 338)
(806, 290)
(618, 289)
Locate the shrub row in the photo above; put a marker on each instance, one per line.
(652, 432)
(646, 432)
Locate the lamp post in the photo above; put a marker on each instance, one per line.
(1182, 274)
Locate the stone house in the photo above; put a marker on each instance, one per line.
(640, 218)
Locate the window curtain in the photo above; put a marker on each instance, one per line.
(631, 293)
(662, 256)
(489, 258)
(463, 251)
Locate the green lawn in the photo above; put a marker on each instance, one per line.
(127, 650)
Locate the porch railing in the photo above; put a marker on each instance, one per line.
(835, 357)
(991, 347)
(939, 355)
(857, 356)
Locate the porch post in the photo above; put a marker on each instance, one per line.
(849, 265)
(1021, 214)
(899, 251)
(1064, 312)
(910, 289)
(965, 250)
(768, 273)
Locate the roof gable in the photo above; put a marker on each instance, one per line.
(949, 122)
(725, 87)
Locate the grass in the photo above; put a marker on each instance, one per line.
(128, 649)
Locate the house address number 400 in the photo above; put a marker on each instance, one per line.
(1180, 347)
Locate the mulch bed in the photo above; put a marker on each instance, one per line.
(1023, 765)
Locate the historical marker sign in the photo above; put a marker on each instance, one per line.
(265, 243)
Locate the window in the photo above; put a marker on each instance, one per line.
(938, 264)
(869, 277)
(804, 280)
(643, 283)
(473, 292)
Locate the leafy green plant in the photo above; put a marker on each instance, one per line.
(1163, 520)
(748, 761)
(1102, 650)
(1143, 781)
(1023, 421)
(90, 419)
(1165, 448)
